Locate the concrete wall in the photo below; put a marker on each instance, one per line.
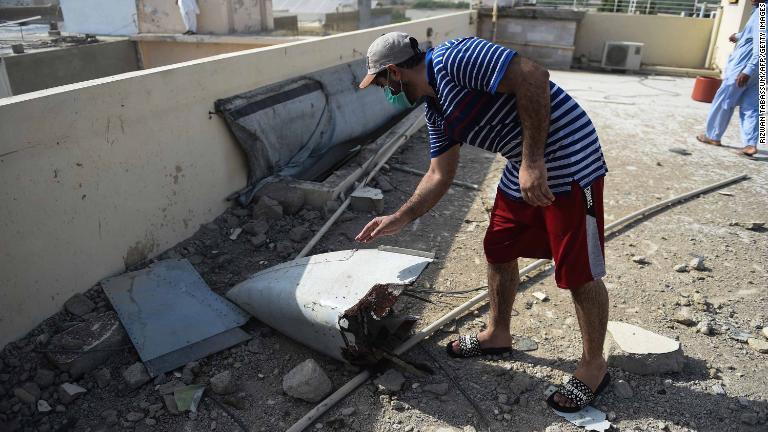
(734, 17)
(40, 70)
(99, 175)
(116, 17)
(669, 40)
(156, 50)
(216, 16)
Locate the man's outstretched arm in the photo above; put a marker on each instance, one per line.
(529, 82)
(430, 190)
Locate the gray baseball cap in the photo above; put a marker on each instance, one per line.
(387, 49)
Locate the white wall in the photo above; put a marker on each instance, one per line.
(97, 175)
(100, 17)
(734, 18)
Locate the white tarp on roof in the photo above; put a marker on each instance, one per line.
(314, 6)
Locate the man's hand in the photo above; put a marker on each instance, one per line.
(742, 80)
(533, 184)
(733, 38)
(381, 226)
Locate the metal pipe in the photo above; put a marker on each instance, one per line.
(363, 376)
(422, 173)
(387, 151)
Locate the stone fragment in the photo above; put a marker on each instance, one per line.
(623, 389)
(685, 316)
(255, 346)
(752, 226)
(718, 389)
(259, 226)
(79, 305)
(28, 393)
(189, 371)
(390, 381)
(440, 389)
(307, 381)
(88, 344)
(697, 264)
(681, 268)
(640, 351)
(739, 336)
(235, 233)
(43, 406)
(765, 332)
(639, 259)
(346, 412)
(45, 378)
(170, 404)
(367, 199)
(525, 344)
(521, 384)
(222, 383)
(705, 328)
(299, 234)
(540, 296)
(759, 345)
(69, 392)
(103, 377)
(136, 375)
(169, 387)
(267, 208)
(134, 416)
(285, 248)
(290, 198)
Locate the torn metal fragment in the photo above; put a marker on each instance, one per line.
(338, 303)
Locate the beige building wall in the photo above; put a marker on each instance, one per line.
(163, 50)
(216, 16)
(734, 18)
(99, 175)
(669, 40)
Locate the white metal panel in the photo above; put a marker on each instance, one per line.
(305, 299)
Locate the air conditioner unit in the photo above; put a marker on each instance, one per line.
(622, 55)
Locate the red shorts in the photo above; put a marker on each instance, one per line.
(569, 231)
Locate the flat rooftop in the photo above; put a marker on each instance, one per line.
(639, 120)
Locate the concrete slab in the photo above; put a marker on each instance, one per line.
(640, 351)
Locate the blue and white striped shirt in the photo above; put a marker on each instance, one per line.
(465, 74)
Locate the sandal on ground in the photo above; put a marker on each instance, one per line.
(706, 140)
(469, 346)
(749, 154)
(578, 393)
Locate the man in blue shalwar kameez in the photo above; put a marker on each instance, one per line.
(739, 88)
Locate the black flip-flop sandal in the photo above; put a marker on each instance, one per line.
(579, 393)
(469, 346)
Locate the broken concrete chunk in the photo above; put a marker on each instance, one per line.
(222, 383)
(540, 296)
(685, 316)
(523, 343)
(290, 198)
(765, 332)
(88, 344)
(739, 336)
(299, 234)
(759, 345)
(367, 199)
(718, 389)
(68, 392)
(103, 377)
(28, 393)
(705, 328)
(256, 227)
(134, 416)
(682, 268)
(307, 381)
(639, 259)
(390, 382)
(136, 375)
(45, 378)
(623, 389)
(640, 351)
(285, 248)
(170, 404)
(267, 208)
(258, 240)
(79, 305)
(697, 264)
(43, 406)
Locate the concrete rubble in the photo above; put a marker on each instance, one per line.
(307, 381)
(367, 199)
(390, 381)
(634, 349)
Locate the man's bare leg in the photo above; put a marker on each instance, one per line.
(591, 302)
(503, 280)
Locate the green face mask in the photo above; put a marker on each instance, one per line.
(399, 100)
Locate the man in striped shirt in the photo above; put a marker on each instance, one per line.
(549, 198)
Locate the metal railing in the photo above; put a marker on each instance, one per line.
(689, 8)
